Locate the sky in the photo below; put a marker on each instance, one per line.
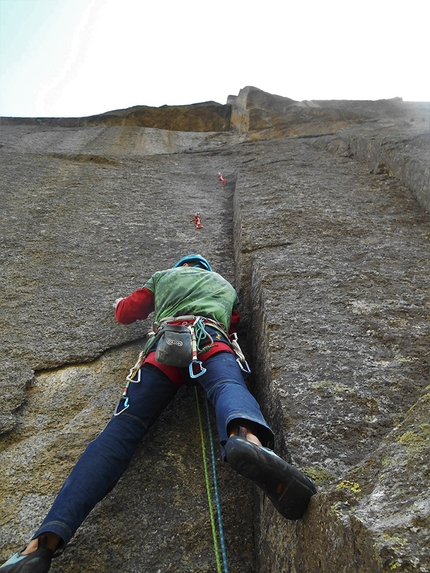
(75, 58)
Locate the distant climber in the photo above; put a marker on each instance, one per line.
(195, 318)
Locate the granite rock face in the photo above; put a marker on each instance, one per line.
(324, 229)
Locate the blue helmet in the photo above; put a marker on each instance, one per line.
(197, 259)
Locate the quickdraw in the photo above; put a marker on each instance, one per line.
(240, 357)
(198, 334)
(197, 221)
(221, 179)
(134, 377)
(195, 362)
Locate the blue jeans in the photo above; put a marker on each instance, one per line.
(107, 457)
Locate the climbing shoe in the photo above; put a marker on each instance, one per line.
(286, 487)
(37, 562)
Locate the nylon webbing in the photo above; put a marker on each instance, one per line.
(208, 490)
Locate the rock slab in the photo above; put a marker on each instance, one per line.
(324, 229)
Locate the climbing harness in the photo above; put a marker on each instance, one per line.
(180, 340)
(224, 568)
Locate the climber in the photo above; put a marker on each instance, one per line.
(199, 306)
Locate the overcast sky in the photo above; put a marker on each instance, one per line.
(68, 58)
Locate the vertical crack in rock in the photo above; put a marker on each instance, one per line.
(338, 333)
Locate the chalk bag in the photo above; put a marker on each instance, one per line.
(174, 346)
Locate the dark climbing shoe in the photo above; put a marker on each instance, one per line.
(37, 562)
(286, 487)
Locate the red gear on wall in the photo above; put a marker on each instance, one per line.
(197, 221)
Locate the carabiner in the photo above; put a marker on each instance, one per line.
(126, 405)
(132, 375)
(244, 366)
(191, 370)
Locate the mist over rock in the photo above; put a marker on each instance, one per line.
(324, 229)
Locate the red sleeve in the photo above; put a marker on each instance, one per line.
(137, 306)
(234, 321)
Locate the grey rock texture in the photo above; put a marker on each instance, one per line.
(324, 229)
